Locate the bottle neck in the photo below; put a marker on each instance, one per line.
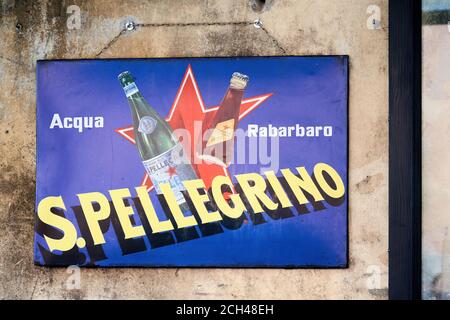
(130, 89)
(233, 88)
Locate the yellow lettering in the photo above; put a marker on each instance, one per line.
(180, 219)
(199, 200)
(155, 223)
(318, 174)
(124, 212)
(44, 213)
(238, 206)
(304, 182)
(93, 217)
(278, 189)
(255, 192)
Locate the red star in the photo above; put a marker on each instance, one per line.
(171, 171)
(187, 108)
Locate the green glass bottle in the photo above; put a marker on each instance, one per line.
(161, 152)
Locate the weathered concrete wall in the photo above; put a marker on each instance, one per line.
(32, 30)
(435, 158)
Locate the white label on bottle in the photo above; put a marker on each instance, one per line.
(165, 169)
(130, 89)
(222, 132)
(147, 125)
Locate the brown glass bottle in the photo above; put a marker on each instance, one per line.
(218, 140)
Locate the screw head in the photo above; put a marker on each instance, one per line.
(257, 23)
(130, 26)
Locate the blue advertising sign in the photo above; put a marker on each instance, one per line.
(193, 162)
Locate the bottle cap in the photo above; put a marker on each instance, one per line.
(239, 80)
(125, 78)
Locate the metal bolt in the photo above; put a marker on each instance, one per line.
(257, 23)
(130, 26)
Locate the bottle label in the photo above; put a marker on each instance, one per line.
(130, 89)
(147, 125)
(222, 132)
(168, 167)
